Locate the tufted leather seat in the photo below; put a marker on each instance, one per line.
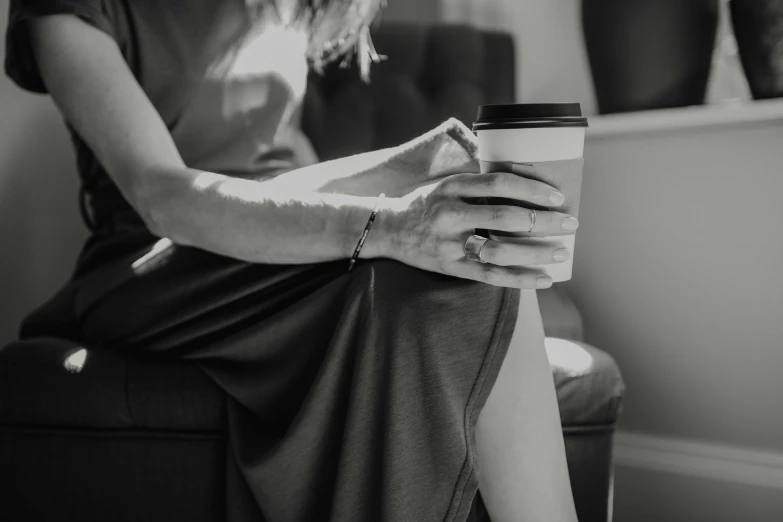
(435, 72)
(98, 389)
(57, 396)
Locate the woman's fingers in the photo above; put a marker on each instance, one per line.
(518, 252)
(434, 222)
(523, 252)
(517, 219)
(503, 185)
(509, 277)
(507, 218)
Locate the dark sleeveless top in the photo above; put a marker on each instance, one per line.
(231, 105)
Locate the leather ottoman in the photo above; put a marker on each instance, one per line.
(95, 435)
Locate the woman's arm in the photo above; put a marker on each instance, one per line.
(255, 221)
(448, 149)
(278, 221)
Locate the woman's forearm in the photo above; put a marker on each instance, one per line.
(312, 214)
(264, 222)
(395, 171)
(365, 174)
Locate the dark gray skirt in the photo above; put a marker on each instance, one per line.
(353, 396)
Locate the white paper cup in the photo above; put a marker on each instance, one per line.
(551, 138)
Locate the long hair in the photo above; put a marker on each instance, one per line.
(337, 30)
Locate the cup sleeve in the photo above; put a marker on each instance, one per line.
(20, 65)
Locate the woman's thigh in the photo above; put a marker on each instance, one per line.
(168, 297)
(180, 300)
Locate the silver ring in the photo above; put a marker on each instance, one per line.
(532, 220)
(473, 246)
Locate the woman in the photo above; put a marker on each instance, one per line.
(373, 394)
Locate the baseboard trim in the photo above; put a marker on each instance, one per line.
(752, 467)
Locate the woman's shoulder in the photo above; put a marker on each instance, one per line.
(159, 39)
(19, 63)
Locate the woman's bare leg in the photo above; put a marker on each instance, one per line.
(521, 455)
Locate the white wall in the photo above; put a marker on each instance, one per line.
(643, 495)
(677, 272)
(40, 229)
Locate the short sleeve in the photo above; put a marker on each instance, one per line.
(20, 63)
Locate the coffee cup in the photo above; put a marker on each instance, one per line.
(541, 141)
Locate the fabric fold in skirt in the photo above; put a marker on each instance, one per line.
(354, 396)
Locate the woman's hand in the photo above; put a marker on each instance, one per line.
(428, 228)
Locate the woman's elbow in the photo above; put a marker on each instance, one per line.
(153, 194)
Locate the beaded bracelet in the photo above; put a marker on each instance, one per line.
(364, 234)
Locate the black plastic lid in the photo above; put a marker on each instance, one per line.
(529, 115)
